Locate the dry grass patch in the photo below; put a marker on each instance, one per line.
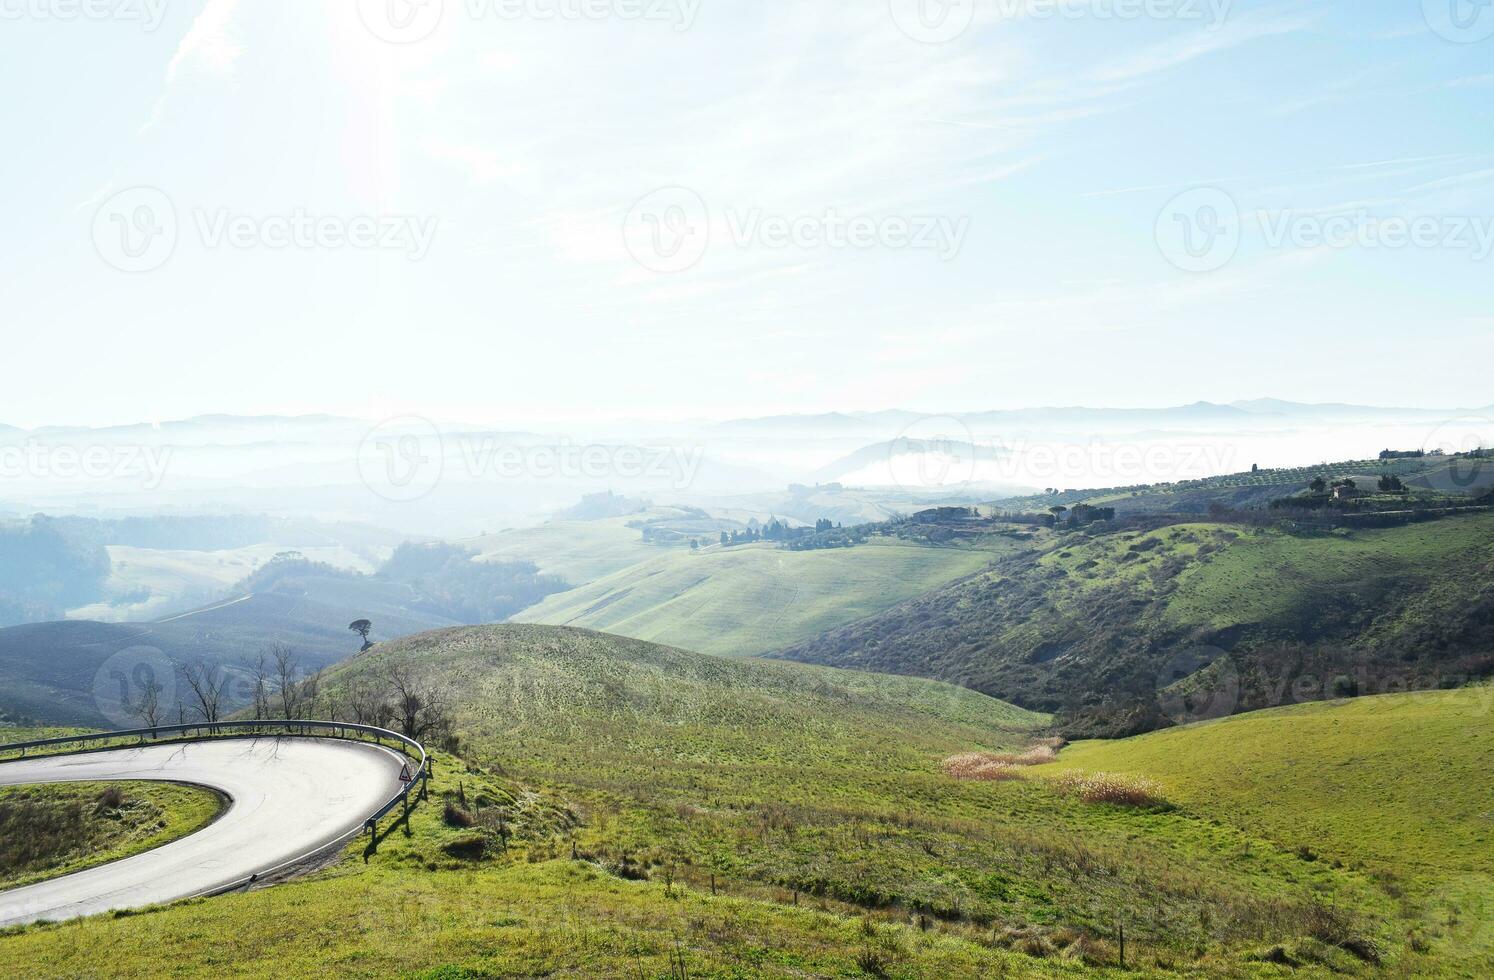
(981, 765)
(1108, 787)
(1001, 765)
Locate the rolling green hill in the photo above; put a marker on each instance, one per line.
(751, 599)
(1427, 476)
(620, 809)
(1094, 623)
(1398, 784)
(577, 551)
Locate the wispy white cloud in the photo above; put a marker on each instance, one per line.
(1196, 44)
(211, 45)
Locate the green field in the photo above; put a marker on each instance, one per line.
(577, 551)
(1267, 576)
(53, 830)
(751, 599)
(1397, 785)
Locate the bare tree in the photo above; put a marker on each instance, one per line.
(208, 683)
(287, 688)
(310, 694)
(420, 708)
(261, 675)
(147, 706)
(368, 703)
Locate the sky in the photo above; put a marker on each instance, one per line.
(523, 209)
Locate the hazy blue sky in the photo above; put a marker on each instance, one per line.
(873, 204)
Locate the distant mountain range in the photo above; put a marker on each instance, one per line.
(846, 423)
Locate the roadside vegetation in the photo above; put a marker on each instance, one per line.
(53, 830)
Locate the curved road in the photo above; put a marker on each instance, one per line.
(287, 799)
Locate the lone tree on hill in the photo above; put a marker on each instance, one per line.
(362, 628)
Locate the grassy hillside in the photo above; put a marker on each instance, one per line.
(60, 829)
(1458, 475)
(625, 809)
(1398, 784)
(776, 778)
(750, 599)
(582, 551)
(1093, 623)
(577, 551)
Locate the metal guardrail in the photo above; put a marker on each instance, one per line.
(203, 731)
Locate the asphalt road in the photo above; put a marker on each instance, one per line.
(288, 798)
